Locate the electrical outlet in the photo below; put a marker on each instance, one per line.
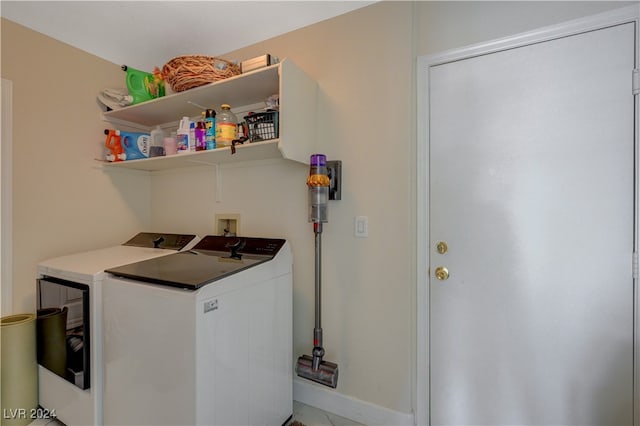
(227, 224)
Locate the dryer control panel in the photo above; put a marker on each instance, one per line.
(157, 240)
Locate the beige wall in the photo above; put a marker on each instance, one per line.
(364, 63)
(451, 24)
(363, 120)
(63, 201)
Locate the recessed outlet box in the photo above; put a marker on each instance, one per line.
(227, 224)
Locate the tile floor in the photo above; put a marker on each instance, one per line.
(311, 416)
(305, 414)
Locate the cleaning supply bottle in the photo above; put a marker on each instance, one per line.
(135, 144)
(183, 136)
(192, 136)
(142, 86)
(210, 125)
(114, 144)
(157, 142)
(201, 136)
(226, 127)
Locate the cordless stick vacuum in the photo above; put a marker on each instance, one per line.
(313, 367)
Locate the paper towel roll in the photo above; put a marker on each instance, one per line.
(19, 369)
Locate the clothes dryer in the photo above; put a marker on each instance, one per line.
(69, 301)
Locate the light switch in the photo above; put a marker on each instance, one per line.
(361, 226)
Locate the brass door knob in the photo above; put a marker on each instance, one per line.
(442, 273)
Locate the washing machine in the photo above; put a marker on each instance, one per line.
(69, 330)
(201, 337)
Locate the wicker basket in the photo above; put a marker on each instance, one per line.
(186, 72)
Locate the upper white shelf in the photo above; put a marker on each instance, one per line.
(243, 89)
(297, 117)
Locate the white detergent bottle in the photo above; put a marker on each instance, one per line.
(183, 136)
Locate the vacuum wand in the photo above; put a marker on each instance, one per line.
(318, 351)
(314, 367)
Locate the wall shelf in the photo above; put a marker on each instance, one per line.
(246, 152)
(297, 118)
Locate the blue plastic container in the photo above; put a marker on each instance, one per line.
(136, 145)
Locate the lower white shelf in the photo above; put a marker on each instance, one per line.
(247, 152)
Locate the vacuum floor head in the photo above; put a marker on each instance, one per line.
(326, 373)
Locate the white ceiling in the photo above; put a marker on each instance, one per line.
(144, 34)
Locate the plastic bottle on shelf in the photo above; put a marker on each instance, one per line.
(170, 144)
(226, 126)
(201, 136)
(192, 136)
(210, 125)
(157, 142)
(183, 136)
(142, 86)
(114, 144)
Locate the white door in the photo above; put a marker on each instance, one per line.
(531, 187)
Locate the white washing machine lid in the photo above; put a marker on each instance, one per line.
(213, 258)
(87, 267)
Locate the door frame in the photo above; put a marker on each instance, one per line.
(629, 14)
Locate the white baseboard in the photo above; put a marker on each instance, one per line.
(354, 409)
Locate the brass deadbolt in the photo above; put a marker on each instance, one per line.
(442, 247)
(442, 273)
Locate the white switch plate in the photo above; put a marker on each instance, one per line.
(361, 226)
